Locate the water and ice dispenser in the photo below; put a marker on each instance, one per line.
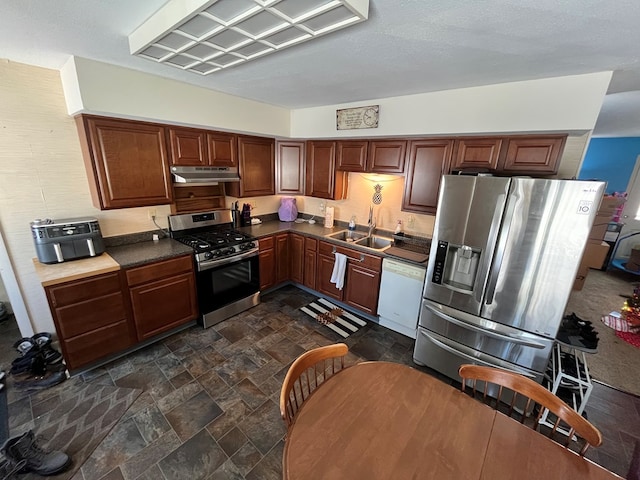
(456, 266)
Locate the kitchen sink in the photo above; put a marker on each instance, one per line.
(377, 243)
(347, 236)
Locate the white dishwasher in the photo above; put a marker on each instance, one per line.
(401, 295)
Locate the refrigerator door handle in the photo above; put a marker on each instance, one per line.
(491, 240)
(471, 358)
(500, 250)
(483, 331)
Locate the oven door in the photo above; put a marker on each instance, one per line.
(228, 288)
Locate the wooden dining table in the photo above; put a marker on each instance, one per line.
(381, 420)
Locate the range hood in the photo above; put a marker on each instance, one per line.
(205, 175)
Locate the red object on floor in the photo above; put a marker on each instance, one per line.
(632, 338)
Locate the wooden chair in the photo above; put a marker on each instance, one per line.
(306, 374)
(521, 386)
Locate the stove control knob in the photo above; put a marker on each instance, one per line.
(218, 253)
(208, 255)
(251, 245)
(230, 251)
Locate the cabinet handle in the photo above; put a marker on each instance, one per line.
(348, 257)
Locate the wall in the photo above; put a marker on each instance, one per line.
(43, 176)
(105, 89)
(554, 104)
(611, 160)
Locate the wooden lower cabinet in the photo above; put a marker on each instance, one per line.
(267, 261)
(91, 318)
(310, 262)
(282, 257)
(163, 295)
(362, 277)
(296, 257)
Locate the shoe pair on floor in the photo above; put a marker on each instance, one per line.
(39, 365)
(24, 454)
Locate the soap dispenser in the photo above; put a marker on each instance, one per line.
(398, 227)
(352, 227)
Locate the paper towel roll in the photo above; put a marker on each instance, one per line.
(328, 217)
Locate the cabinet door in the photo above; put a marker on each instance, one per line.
(222, 149)
(188, 147)
(164, 304)
(296, 257)
(267, 262)
(256, 166)
(427, 161)
(290, 168)
(323, 181)
(323, 283)
(386, 156)
(282, 257)
(476, 153)
(310, 256)
(126, 162)
(362, 288)
(534, 155)
(352, 155)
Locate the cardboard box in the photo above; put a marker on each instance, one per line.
(581, 276)
(595, 254)
(609, 204)
(597, 233)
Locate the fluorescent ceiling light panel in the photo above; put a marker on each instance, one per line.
(205, 36)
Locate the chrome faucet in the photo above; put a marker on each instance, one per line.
(371, 223)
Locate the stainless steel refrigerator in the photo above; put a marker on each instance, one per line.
(504, 256)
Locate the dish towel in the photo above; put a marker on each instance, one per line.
(339, 267)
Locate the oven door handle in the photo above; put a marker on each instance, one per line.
(202, 266)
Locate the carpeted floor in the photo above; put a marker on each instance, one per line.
(617, 363)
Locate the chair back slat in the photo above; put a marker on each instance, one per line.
(537, 397)
(306, 374)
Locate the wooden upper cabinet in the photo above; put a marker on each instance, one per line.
(290, 168)
(476, 153)
(127, 162)
(533, 155)
(188, 147)
(427, 161)
(352, 155)
(386, 156)
(256, 166)
(323, 180)
(222, 149)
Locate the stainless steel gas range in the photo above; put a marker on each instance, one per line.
(228, 277)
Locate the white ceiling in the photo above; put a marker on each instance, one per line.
(406, 46)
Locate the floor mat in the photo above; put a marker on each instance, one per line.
(73, 417)
(334, 317)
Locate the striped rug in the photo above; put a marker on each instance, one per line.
(334, 317)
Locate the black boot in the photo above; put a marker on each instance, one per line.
(43, 341)
(8, 470)
(25, 448)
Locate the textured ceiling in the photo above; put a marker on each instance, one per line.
(406, 46)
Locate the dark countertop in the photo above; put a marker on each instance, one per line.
(317, 230)
(135, 254)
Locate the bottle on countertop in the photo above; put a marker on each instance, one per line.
(398, 227)
(352, 227)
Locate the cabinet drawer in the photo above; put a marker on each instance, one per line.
(85, 316)
(366, 260)
(157, 270)
(82, 290)
(91, 346)
(266, 243)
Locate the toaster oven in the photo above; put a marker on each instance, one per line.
(67, 239)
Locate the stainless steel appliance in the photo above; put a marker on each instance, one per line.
(504, 256)
(66, 239)
(205, 175)
(227, 277)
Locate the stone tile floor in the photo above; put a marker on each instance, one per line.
(209, 407)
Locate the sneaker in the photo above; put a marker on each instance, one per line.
(25, 448)
(43, 341)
